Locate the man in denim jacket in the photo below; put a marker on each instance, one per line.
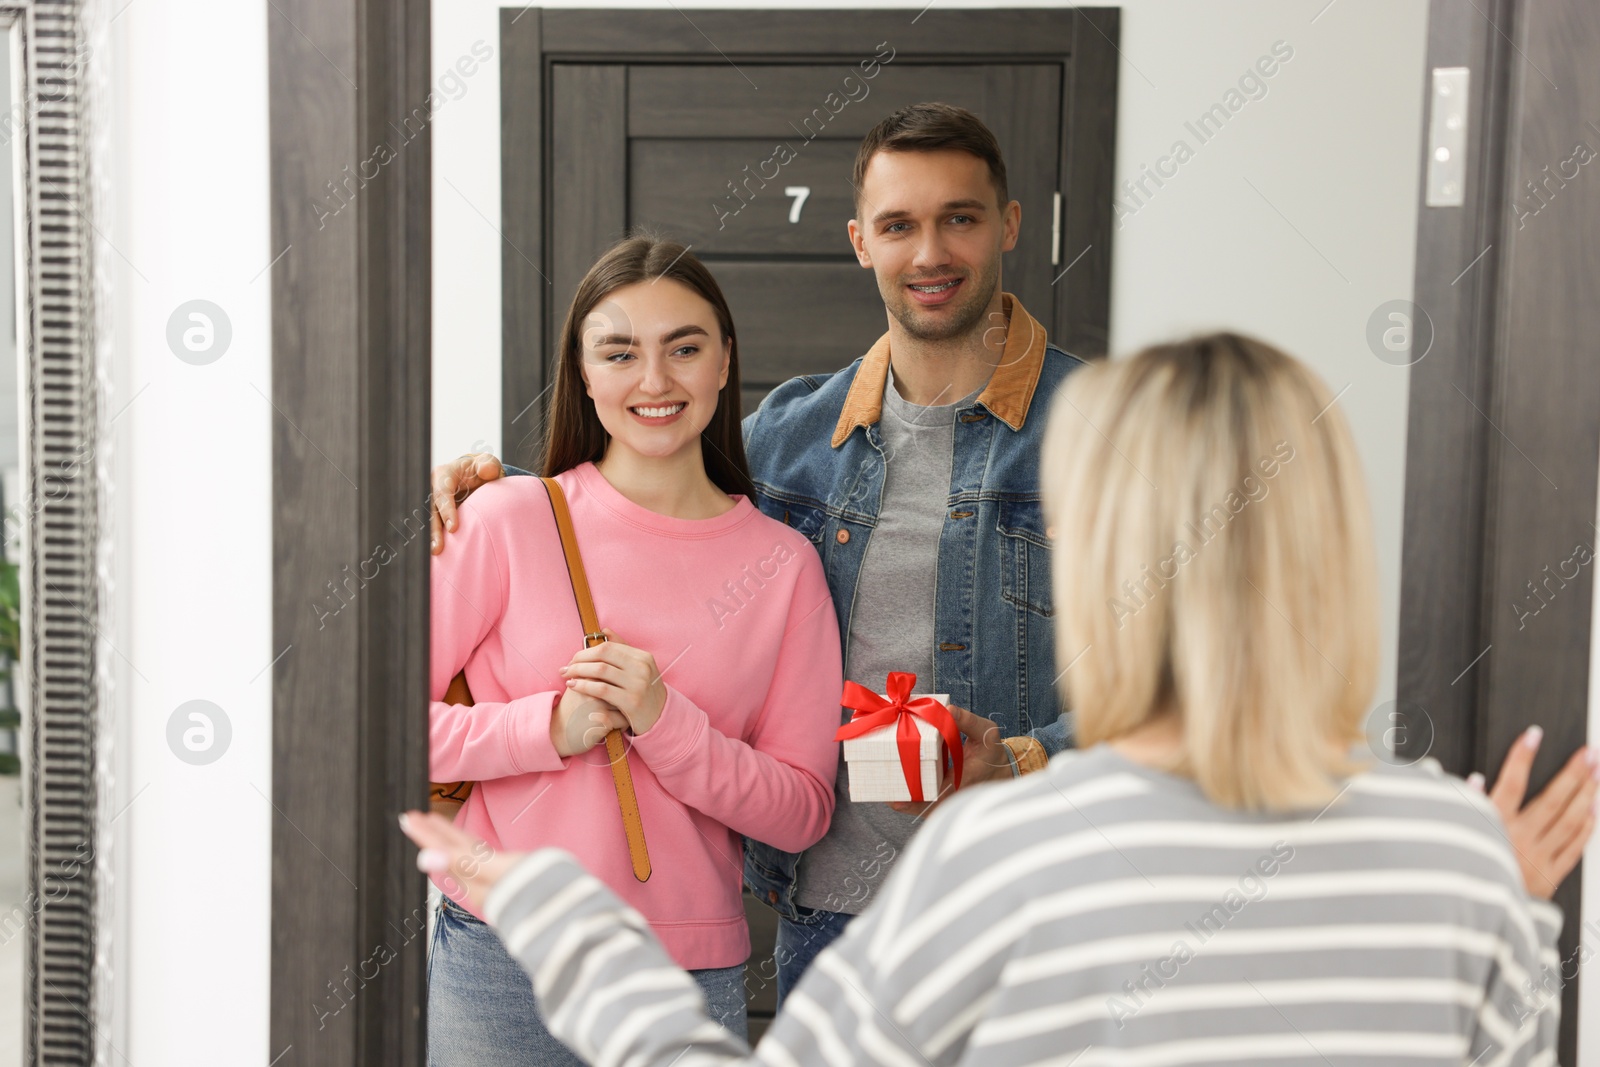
(915, 472)
(926, 450)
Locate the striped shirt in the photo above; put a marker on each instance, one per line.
(1100, 912)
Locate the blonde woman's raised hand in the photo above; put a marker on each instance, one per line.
(1548, 834)
(469, 867)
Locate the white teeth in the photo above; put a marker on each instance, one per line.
(659, 413)
(933, 288)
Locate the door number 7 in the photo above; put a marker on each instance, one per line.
(799, 192)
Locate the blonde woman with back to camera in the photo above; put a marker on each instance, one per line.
(1221, 874)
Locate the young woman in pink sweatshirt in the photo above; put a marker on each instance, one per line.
(723, 663)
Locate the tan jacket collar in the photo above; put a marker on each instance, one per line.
(1007, 396)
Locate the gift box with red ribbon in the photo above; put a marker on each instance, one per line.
(896, 744)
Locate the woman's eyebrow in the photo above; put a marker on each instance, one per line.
(666, 338)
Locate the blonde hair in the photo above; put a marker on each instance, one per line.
(1215, 560)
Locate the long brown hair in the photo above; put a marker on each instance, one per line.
(573, 432)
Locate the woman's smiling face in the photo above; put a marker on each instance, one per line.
(654, 363)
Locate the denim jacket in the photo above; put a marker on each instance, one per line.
(817, 461)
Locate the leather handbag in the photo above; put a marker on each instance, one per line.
(447, 797)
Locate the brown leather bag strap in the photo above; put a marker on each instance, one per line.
(580, 580)
(616, 749)
(446, 798)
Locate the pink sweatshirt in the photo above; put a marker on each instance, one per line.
(736, 612)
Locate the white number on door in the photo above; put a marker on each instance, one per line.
(799, 192)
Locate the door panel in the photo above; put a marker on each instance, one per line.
(588, 176)
(799, 318)
(1023, 108)
(792, 101)
(749, 212)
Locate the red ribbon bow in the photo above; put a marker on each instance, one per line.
(873, 712)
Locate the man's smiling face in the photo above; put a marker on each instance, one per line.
(931, 227)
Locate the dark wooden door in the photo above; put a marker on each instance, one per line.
(757, 183)
(1502, 428)
(674, 120)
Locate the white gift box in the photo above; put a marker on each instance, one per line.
(874, 761)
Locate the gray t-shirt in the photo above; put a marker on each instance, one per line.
(891, 629)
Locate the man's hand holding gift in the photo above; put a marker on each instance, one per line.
(984, 757)
(966, 747)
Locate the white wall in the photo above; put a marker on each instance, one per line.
(1294, 222)
(187, 219)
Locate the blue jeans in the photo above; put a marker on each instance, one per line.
(481, 1009)
(800, 942)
